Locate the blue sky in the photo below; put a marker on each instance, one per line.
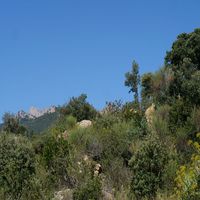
(51, 50)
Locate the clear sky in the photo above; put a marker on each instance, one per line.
(51, 50)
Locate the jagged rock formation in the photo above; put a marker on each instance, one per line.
(38, 120)
(35, 112)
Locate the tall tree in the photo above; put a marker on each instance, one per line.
(187, 46)
(11, 124)
(79, 108)
(133, 80)
(184, 61)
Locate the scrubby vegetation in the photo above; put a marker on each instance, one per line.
(145, 149)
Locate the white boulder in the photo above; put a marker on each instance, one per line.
(84, 123)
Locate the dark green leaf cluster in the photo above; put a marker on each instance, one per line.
(11, 125)
(148, 168)
(133, 80)
(55, 155)
(79, 108)
(17, 165)
(88, 191)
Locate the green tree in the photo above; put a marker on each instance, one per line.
(79, 108)
(148, 168)
(186, 46)
(184, 60)
(178, 114)
(147, 89)
(133, 80)
(11, 124)
(147, 84)
(17, 165)
(56, 158)
(155, 87)
(191, 88)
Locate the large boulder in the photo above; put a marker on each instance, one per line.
(107, 195)
(65, 194)
(84, 123)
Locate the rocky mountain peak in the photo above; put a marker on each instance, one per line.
(35, 112)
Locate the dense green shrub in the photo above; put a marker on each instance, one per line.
(191, 88)
(70, 122)
(148, 166)
(17, 165)
(106, 121)
(56, 158)
(188, 176)
(115, 141)
(155, 87)
(79, 108)
(160, 124)
(104, 141)
(118, 175)
(107, 146)
(91, 190)
(113, 108)
(130, 110)
(194, 120)
(179, 113)
(41, 185)
(169, 174)
(64, 123)
(11, 125)
(183, 150)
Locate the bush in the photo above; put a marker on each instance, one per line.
(182, 148)
(160, 123)
(79, 108)
(89, 191)
(148, 167)
(179, 113)
(65, 123)
(188, 177)
(70, 122)
(106, 121)
(113, 108)
(11, 125)
(56, 158)
(115, 141)
(40, 186)
(17, 165)
(191, 88)
(169, 174)
(130, 111)
(194, 120)
(118, 175)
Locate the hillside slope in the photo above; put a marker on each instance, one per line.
(40, 124)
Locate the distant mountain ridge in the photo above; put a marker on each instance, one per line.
(38, 120)
(35, 112)
(40, 124)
